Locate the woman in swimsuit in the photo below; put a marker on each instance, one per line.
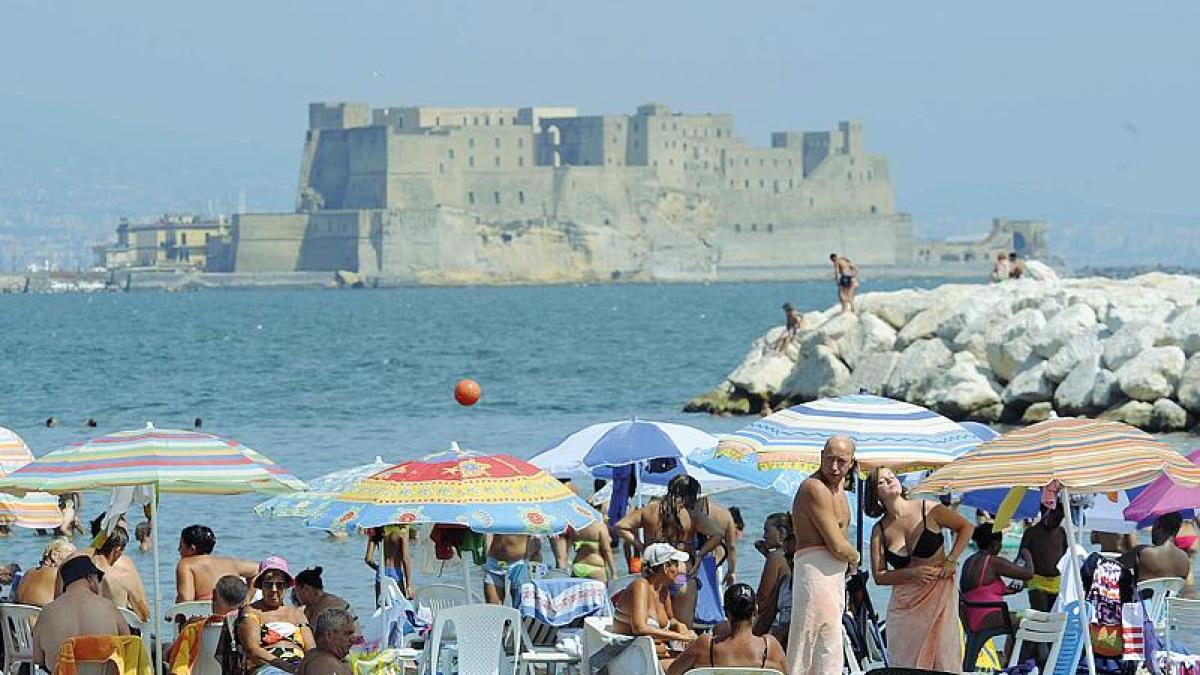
(272, 634)
(593, 553)
(774, 598)
(644, 607)
(983, 577)
(741, 648)
(923, 610)
(1188, 539)
(310, 593)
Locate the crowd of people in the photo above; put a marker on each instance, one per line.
(792, 620)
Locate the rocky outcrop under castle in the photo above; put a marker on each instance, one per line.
(1017, 351)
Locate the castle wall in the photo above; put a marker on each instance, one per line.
(267, 242)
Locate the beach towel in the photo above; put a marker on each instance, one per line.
(558, 602)
(710, 610)
(125, 651)
(922, 626)
(815, 639)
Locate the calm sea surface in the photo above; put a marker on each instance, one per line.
(323, 380)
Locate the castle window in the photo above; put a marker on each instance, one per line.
(737, 227)
(674, 126)
(437, 121)
(476, 121)
(471, 142)
(754, 227)
(732, 183)
(746, 161)
(610, 160)
(501, 121)
(496, 141)
(874, 209)
(810, 201)
(747, 182)
(664, 126)
(685, 145)
(497, 161)
(520, 161)
(471, 161)
(496, 196)
(671, 161)
(776, 186)
(791, 183)
(656, 163)
(521, 196)
(635, 126)
(450, 153)
(464, 120)
(441, 168)
(770, 228)
(667, 144)
(762, 183)
(520, 142)
(471, 197)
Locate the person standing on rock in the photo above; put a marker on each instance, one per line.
(824, 554)
(1016, 268)
(845, 275)
(795, 321)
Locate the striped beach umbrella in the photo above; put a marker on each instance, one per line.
(36, 510)
(1084, 455)
(320, 491)
(488, 493)
(886, 432)
(172, 460)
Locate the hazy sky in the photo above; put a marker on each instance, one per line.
(1095, 101)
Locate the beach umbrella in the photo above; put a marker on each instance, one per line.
(743, 467)
(610, 444)
(1164, 496)
(495, 494)
(901, 436)
(170, 460)
(35, 510)
(1084, 456)
(320, 490)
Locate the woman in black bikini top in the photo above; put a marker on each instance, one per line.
(741, 648)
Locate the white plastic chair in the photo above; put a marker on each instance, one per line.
(206, 661)
(538, 647)
(191, 610)
(1042, 628)
(439, 596)
(1154, 592)
(479, 647)
(734, 671)
(730, 670)
(16, 624)
(638, 658)
(1183, 616)
(135, 623)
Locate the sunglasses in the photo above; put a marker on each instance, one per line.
(274, 584)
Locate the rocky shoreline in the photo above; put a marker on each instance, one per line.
(1018, 351)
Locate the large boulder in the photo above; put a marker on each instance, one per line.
(897, 308)
(1070, 354)
(962, 389)
(1106, 391)
(1167, 415)
(1152, 374)
(1065, 326)
(1010, 343)
(870, 335)
(820, 374)
(1029, 386)
(1037, 412)
(1096, 298)
(1129, 341)
(1073, 396)
(1189, 384)
(762, 372)
(1135, 413)
(1133, 305)
(1183, 330)
(924, 325)
(972, 316)
(873, 372)
(918, 363)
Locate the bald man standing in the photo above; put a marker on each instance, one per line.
(824, 554)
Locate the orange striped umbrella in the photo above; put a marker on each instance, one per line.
(36, 510)
(1085, 455)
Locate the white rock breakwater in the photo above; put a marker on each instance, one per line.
(1015, 351)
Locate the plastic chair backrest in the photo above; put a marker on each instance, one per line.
(481, 631)
(135, 623)
(638, 658)
(190, 611)
(1182, 615)
(730, 670)
(734, 671)
(16, 623)
(1159, 590)
(1043, 628)
(206, 661)
(439, 596)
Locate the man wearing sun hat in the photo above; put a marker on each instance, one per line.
(78, 611)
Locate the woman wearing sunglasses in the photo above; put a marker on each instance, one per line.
(273, 635)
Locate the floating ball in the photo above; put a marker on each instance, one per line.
(466, 392)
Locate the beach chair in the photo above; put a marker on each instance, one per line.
(1045, 628)
(439, 596)
(189, 611)
(733, 671)
(482, 632)
(633, 655)
(142, 628)
(1183, 616)
(975, 642)
(206, 662)
(538, 647)
(1154, 593)
(16, 624)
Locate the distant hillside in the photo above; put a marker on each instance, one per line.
(1081, 233)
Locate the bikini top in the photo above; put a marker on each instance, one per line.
(928, 544)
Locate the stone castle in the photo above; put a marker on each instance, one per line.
(543, 195)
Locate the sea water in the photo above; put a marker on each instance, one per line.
(324, 380)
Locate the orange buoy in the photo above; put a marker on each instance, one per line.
(466, 392)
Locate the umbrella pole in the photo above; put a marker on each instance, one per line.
(157, 615)
(1077, 579)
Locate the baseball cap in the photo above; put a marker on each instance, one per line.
(79, 567)
(659, 554)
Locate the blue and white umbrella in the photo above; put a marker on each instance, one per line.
(744, 468)
(307, 504)
(594, 450)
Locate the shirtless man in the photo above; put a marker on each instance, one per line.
(1046, 543)
(37, 586)
(1000, 269)
(795, 321)
(1163, 559)
(674, 519)
(1016, 268)
(334, 632)
(845, 275)
(123, 589)
(507, 565)
(824, 555)
(78, 611)
(198, 569)
(397, 564)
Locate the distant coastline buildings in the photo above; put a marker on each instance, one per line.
(439, 195)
